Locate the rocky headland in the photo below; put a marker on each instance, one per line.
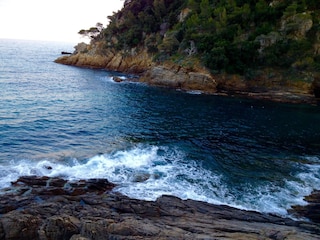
(53, 208)
(268, 86)
(263, 50)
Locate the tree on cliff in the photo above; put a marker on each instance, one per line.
(233, 36)
(93, 32)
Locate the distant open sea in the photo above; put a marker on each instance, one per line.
(76, 123)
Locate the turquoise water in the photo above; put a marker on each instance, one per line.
(76, 123)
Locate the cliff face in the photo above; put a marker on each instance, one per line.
(173, 76)
(270, 85)
(139, 61)
(233, 47)
(96, 56)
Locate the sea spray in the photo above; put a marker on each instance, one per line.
(147, 172)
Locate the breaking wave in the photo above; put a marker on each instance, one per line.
(147, 172)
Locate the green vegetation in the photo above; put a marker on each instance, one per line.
(93, 32)
(233, 36)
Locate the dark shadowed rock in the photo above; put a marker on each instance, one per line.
(24, 226)
(88, 209)
(31, 181)
(59, 227)
(310, 211)
(117, 79)
(316, 87)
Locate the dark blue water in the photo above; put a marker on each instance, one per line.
(151, 141)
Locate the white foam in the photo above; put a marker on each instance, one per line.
(195, 92)
(108, 79)
(111, 79)
(149, 172)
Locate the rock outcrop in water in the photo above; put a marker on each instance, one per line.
(53, 208)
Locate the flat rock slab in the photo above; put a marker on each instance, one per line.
(53, 208)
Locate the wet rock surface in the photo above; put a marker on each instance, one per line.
(53, 208)
(312, 209)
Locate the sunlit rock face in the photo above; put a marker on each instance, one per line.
(180, 78)
(96, 55)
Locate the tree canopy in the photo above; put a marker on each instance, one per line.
(233, 36)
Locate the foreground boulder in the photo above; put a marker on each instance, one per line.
(53, 208)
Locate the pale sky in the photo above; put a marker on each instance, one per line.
(53, 20)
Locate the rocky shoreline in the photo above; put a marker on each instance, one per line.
(53, 208)
(194, 78)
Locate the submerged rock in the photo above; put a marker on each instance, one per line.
(90, 210)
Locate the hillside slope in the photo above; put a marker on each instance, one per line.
(226, 46)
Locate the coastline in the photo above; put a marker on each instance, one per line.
(170, 75)
(54, 208)
(275, 96)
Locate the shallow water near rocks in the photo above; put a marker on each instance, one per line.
(75, 123)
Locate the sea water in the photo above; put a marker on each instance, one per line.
(77, 123)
